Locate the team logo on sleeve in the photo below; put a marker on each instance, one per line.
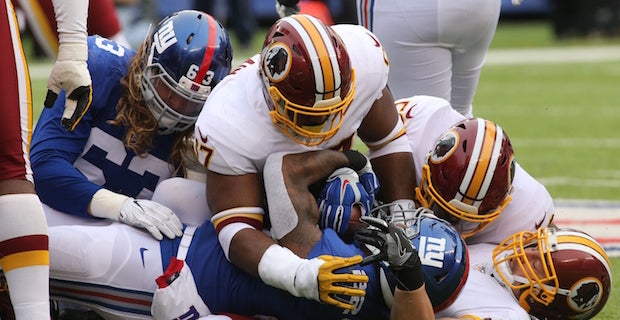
(277, 62)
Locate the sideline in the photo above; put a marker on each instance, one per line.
(600, 219)
(494, 57)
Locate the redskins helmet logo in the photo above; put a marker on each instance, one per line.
(276, 62)
(444, 147)
(585, 295)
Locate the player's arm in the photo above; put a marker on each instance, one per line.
(382, 130)
(70, 72)
(238, 221)
(293, 208)
(406, 301)
(403, 259)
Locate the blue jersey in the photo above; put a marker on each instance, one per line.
(69, 167)
(225, 288)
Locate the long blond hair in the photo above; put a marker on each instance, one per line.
(133, 113)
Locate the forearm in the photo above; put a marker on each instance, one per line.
(62, 187)
(397, 176)
(413, 304)
(303, 169)
(71, 17)
(247, 248)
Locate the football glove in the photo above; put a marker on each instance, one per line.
(334, 287)
(285, 8)
(152, 216)
(146, 214)
(395, 248)
(70, 73)
(314, 278)
(341, 192)
(361, 164)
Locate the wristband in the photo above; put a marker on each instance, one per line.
(357, 161)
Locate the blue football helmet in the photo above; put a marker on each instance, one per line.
(187, 54)
(443, 253)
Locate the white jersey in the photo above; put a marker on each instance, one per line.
(426, 118)
(235, 126)
(483, 295)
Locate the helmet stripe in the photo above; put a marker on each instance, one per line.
(493, 158)
(578, 241)
(205, 65)
(322, 55)
(478, 176)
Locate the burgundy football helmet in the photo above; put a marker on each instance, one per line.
(308, 79)
(468, 175)
(555, 273)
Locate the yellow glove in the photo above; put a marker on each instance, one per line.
(333, 284)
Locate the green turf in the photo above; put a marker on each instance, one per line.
(562, 120)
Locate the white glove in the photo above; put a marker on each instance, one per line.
(146, 214)
(285, 8)
(152, 216)
(70, 73)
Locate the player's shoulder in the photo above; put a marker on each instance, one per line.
(107, 53)
(364, 48)
(421, 103)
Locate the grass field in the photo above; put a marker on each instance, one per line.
(562, 118)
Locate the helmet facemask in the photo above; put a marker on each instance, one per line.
(289, 117)
(537, 278)
(466, 218)
(174, 107)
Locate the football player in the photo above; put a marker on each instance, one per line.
(119, 266)
(312, 87)
(549, 273)
(24, 255)
(134, 134)
(467, 173)
(436, 49)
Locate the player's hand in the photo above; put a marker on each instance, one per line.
(395, 248)
(334, 288)
(285, 8)
(341, 192)
(70, 73)
(152, 216)
(361, 164)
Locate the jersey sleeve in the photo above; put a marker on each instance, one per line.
(54, 150)
(71, 17)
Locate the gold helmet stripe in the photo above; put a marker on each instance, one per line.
(578, 241)
(322, 55)
(486, 153)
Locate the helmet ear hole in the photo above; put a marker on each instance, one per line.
(464, 145)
